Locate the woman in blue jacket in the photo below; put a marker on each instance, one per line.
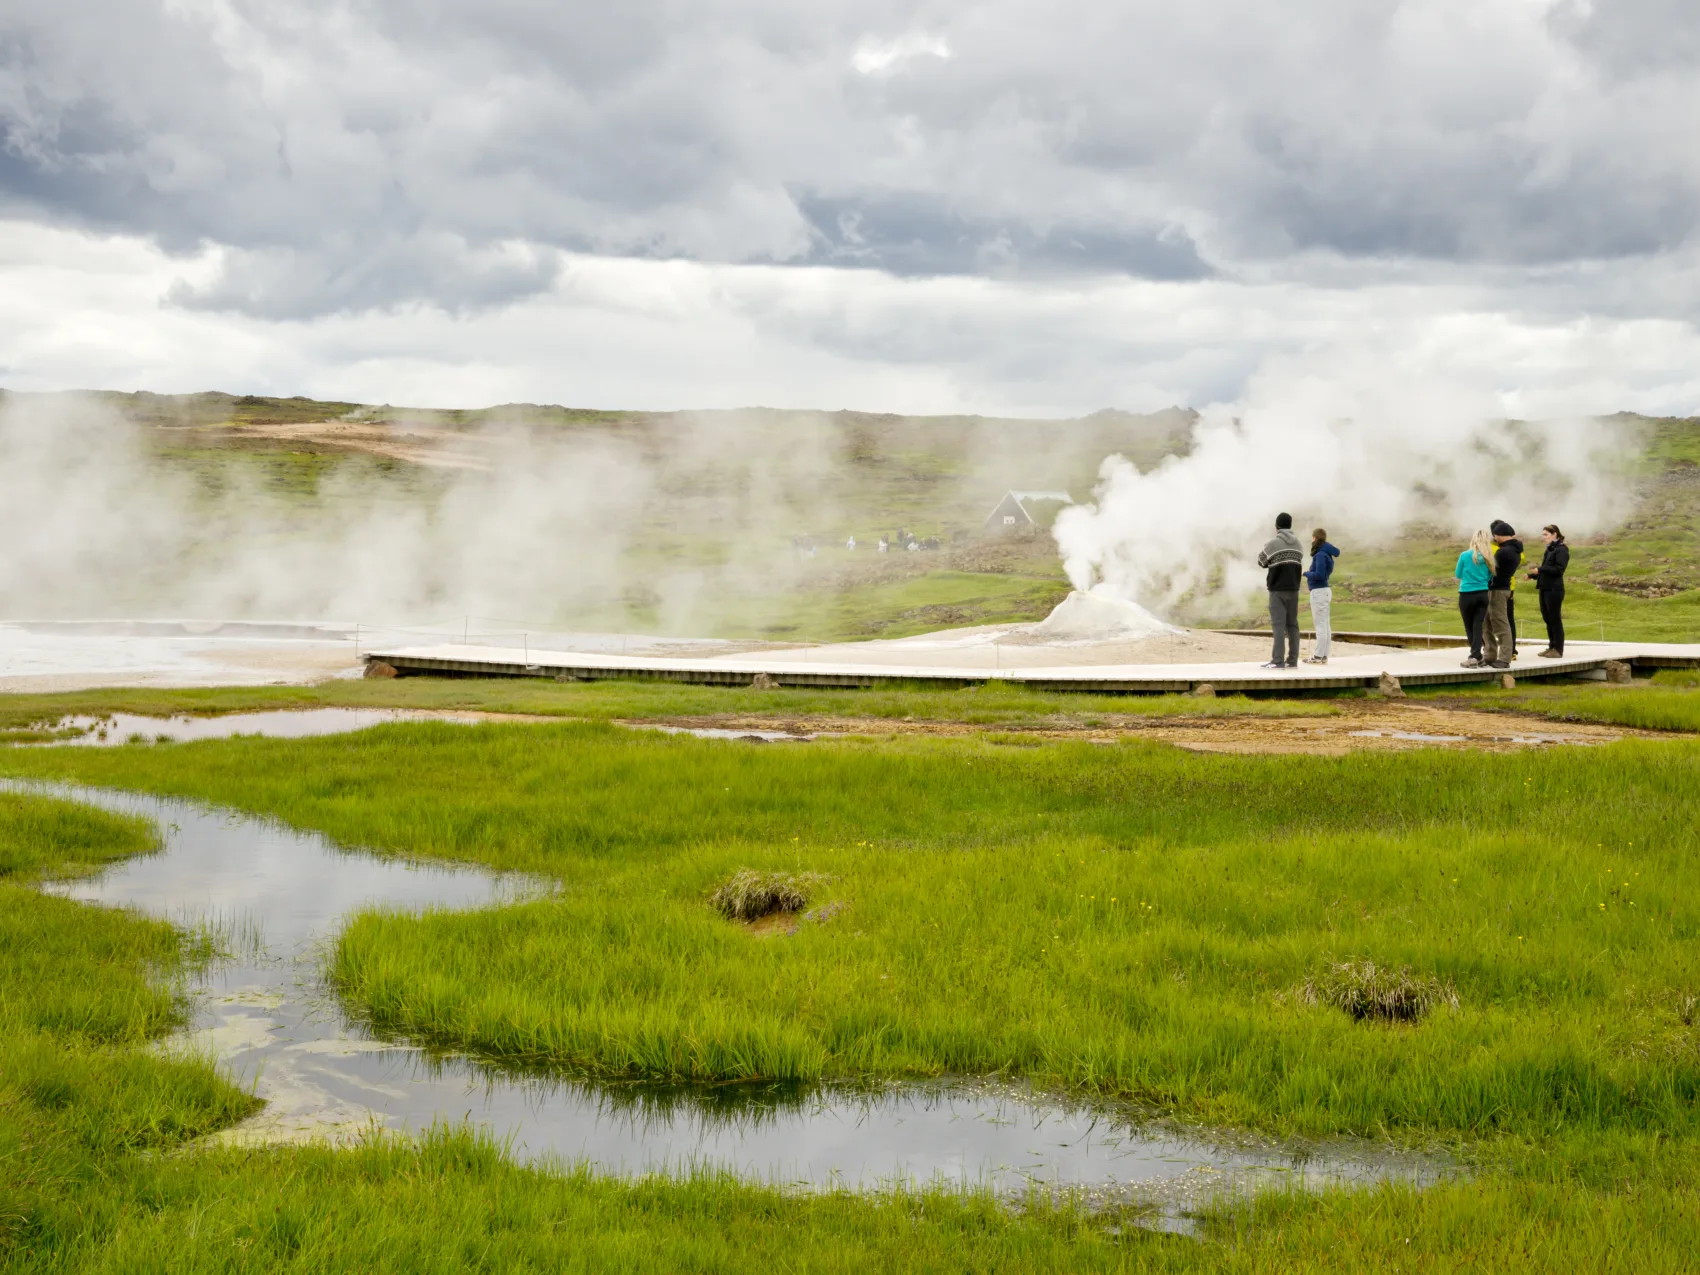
(1321, 569)
(1474, 573)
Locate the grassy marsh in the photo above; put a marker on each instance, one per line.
(80, 990)
(1669, 701)
(1131, 919)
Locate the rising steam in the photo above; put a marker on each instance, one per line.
(97, 526)
(1365, 464)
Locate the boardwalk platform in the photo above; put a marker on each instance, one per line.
(838, 667)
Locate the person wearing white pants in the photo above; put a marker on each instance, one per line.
(1317, 576)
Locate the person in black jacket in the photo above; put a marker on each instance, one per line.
(1283, 558)
(1498, 645)
(1549, 584)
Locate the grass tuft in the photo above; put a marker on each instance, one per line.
(1367, 990)
(750, 895)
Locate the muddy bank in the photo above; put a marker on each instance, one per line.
(1356, 727)
(1026, 646)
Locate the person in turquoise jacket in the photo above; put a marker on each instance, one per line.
(1474, 573)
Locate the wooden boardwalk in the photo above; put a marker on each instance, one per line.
(838, 667)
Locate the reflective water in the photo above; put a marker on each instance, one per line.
(1462, 739)
(125, 728)
(267, 1016)
(1407, 734)
(720, 732)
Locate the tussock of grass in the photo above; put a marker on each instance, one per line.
(1366, 990)
(41, 836)
(750, 895)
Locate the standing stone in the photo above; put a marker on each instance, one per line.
(1205, 689)
(1507, 682)
(1619, 673)
(764, 682)
(377, 668)
(1390, 687)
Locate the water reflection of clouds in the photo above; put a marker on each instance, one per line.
(267, 1015)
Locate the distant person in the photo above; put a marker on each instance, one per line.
(1283, 558)
(1511, 601)
(1475, 576)
(1317, 575)
(1549, 585)
(884, 545)
(850, 543)
(1500, 645)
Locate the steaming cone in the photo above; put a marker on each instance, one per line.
(1092, 617)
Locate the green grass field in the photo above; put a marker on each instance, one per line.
(1129, 920)
(1668, 701)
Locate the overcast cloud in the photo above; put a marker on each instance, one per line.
(1005, 205)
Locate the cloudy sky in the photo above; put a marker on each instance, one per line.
(1027, 206)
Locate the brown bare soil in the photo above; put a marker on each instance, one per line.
(432, 445)
(1362, 726)
(774, 925)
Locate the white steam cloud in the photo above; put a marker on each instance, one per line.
(529, 520)
(1363, 457)
(95, 526)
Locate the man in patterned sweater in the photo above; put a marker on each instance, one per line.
(1283, 557)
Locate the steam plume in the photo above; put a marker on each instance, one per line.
(1361, 458)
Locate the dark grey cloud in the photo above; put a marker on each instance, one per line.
(917, 235)
(355, 154)
(1630, 38)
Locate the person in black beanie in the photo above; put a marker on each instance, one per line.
(1549, 584)
(1498, 645)
(1283, 558)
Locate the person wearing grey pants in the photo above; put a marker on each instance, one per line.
(1284, 621)
(1283, 559)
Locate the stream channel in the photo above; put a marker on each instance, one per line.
(266, 1014)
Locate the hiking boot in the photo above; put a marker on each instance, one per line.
(1499, 664)
(1550, 654)
(1317, 659)
(1271, 664)
(1472, 662)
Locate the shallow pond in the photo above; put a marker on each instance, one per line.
(268, 1017)
(287, 723)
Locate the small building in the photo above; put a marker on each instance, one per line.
(1024, 512)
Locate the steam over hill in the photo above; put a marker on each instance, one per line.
(687, 522)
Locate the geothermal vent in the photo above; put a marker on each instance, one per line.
(1092, 617)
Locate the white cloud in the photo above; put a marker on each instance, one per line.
(91, 311)
(884, 57)
(1078, 203)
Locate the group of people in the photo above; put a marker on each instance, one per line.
(1487, 580)
(1284, 560)
(1487, 597)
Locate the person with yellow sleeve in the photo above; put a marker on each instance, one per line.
(1499, 645)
